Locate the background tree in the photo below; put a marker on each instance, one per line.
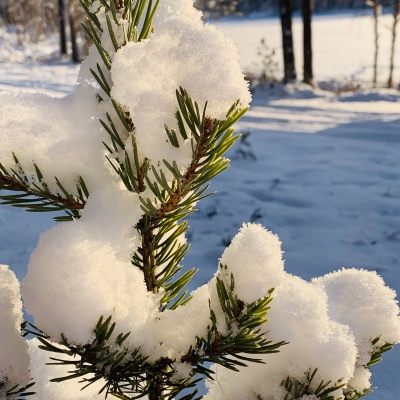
(307, 8)
(396, 11)
(62, 26)
(285, 12)
(376, 9)
(35, 20)
(79, 39)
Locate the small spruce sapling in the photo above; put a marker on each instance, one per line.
(126, 158)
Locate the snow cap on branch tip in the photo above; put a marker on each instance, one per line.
(254, 257)
(360, 299)
(299, 315)
(14, 358)
(361, 379)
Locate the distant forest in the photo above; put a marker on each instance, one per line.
(225, 7)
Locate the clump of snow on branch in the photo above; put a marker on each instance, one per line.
(84, 268)
(254, 252)
(299, 315)
(327, 323)
(180, 53)
(14, 358)
(360, 299)
(40, 129)
(361, 379)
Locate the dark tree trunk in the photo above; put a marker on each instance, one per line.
(285, 11)
(74, 46)
(306, 8)
(394, 27)
(375, 8)
(63, 33)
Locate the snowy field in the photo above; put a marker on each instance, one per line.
(321, 171)
(342, 45)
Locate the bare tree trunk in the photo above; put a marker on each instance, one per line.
(375, 7)
(285, 11)
(74, 46)
(37, 19)
(306, 8)
(63, 33)
(394, 27)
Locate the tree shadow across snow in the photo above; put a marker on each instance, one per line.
(373, 130)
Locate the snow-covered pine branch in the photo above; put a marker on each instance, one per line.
(127, 157)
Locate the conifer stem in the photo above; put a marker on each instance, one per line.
(148, 257)
(155, 388)
(147, 225)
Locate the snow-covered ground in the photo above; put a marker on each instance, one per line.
(321, 171)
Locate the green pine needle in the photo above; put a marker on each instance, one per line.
(33, 194)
